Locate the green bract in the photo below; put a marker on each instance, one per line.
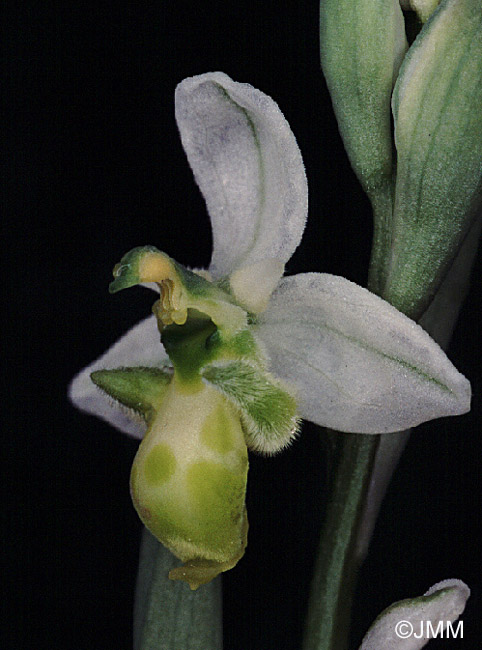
(438, 134)
(362, 46)
(233, 356)
(423, 8)
(426, 195)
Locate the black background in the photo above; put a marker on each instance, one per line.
(94, 166)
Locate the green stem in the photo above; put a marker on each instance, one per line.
(167, 614)
(338, 561)
(382, 205)
(349, 521)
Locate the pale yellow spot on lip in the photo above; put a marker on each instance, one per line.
(217, 430)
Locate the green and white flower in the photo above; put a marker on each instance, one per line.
(247, 352)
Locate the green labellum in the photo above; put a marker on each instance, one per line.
(188, 482)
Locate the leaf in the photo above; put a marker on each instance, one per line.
(168, 614)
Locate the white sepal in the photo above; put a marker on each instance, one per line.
(141, 346)
(409, 624)
(357, 363)
(248, 167)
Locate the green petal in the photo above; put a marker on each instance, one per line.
(268, 411)
(140, 389)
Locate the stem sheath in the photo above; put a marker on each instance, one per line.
(338, 562)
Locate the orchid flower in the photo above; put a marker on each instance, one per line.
(245, 352)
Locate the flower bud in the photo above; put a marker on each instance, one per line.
(362, 45)
(438, 135)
